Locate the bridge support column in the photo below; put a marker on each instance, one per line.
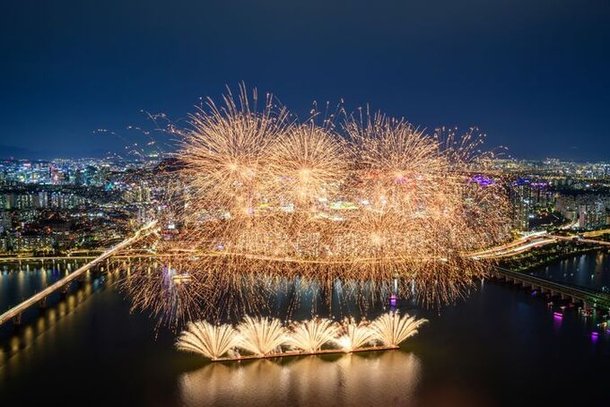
(64, 291)
(42, 304)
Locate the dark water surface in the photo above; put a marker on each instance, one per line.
(501, 347)
(590, 270)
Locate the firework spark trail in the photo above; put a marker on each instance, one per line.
(263, 197)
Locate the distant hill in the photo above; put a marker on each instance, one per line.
(16, 152)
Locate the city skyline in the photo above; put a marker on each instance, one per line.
(530, 76)
(280, 203)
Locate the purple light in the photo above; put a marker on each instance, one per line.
(557, 315)
(482, 180)
(521, 181)
(393, 300)
(540, 184)
(594, 336)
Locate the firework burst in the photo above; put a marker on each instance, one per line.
(266, 199)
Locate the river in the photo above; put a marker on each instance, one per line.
(502, 346)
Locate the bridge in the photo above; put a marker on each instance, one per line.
(588, 297)
(16, 311)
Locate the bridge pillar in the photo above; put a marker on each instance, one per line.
(64, 291)
(42, 304)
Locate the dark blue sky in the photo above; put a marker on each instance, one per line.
(533, 75)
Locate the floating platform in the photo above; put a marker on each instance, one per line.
(294, 353)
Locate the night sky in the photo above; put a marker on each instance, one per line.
(534, 75)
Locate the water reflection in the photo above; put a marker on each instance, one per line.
(18, 339)
(383, 378)
(591, 270)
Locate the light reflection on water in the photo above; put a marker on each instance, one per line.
(379, 378)
(591, 270)
(16, 343)
(490, 350)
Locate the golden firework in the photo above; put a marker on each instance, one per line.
(266, 200)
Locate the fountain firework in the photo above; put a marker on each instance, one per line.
(356, 335)
(211, 341)
(261, 336)
(310, 336)
(392, 329)
(266, 337)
